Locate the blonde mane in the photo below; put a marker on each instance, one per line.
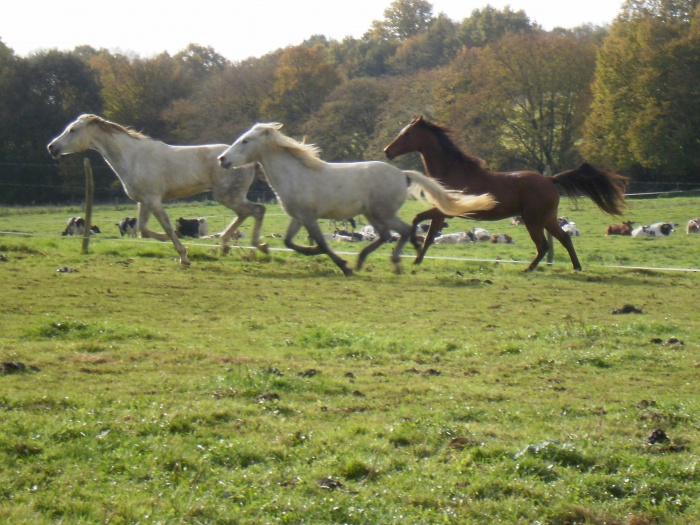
(113, 127)
(308, 154)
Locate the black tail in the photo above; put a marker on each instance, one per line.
(607, 190)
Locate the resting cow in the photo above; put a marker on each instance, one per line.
(502, 238)
(620, 229)
(191, 227)
(76, 226)
(658, 229)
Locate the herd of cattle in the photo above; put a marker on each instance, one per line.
(129, 226)
(198, 228)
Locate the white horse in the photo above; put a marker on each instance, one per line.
(152, 172)
(310, 188)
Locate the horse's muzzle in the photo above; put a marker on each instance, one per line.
(389, 154)
(54, 151)
(226, 164)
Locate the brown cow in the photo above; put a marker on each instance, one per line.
(502, 238)
(620, 229)
(693, 226)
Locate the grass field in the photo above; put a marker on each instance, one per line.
(254, 389)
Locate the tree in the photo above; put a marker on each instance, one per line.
(646, 108)
(365, 57)
(137, 91)
(527, 95)
(201, 62)
(225, 105)
(489, 25)
(346, 121)
(429, 49)
(404, 19)
(39, 95)
(303, 79)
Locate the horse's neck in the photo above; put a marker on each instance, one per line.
(118, 150)
(451, 171)
(282, 170)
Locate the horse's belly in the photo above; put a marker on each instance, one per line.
(495, 214)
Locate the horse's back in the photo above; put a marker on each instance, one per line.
(342, 190)
(516, 192)
(179, 171)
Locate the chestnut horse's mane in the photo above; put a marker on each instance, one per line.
(450, 148)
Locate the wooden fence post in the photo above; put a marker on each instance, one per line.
(89, 190)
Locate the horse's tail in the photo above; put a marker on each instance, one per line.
(450, 202)
(607, 190)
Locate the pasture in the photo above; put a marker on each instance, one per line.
(257, 388)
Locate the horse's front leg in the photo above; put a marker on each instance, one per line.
(243, 211)
(292, 230)
(164, 221)
(437, 220)
(317, 235)
(144, 214)
(258, 213)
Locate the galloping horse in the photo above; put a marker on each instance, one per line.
(526, 193)
(151, 172)
(310, 188)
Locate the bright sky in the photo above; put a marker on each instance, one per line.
(238, 29)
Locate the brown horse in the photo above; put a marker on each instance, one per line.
(526, 193)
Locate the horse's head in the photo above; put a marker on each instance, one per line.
(247, 147)
(406, 141)
(75, 138)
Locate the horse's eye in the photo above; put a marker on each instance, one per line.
(244, 141)
(72, 130)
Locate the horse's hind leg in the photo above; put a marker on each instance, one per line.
(406, 232)
(560, 235)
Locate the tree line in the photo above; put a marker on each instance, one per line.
(624, 97)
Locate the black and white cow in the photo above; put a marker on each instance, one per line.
(191, 227)
(658, 229)
(455, 238)
(128, 226)
(76, 226)
(481, 235)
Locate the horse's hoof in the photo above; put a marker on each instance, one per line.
(397, 269)
(264, 248)
(347, 271)
(225, 249)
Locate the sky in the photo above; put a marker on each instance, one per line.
(238, 29)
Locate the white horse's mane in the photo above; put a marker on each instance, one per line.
(308, 154)
(112, 127)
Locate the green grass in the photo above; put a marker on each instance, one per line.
(253, 389)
